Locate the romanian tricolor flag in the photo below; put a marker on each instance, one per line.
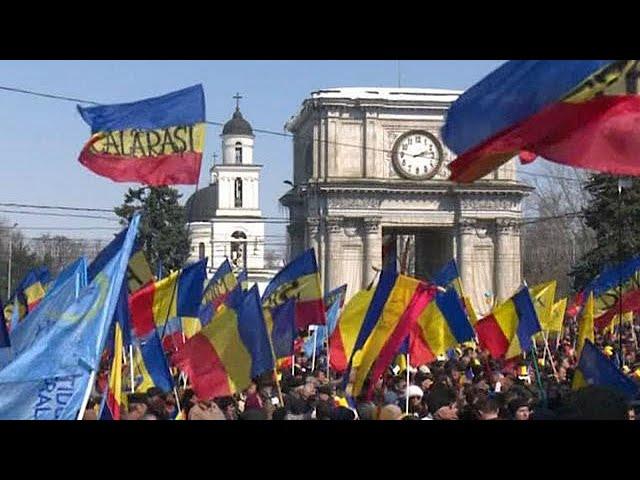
(113, 397)
(300, 281)
(573, 112)
(630, 303)
(506, 332)
(232, 350)
(163, 304)
(606, 285)
(397, 303)
(343, 338)
(157, 141)
(28, 293)
(449, 276)
(594, 368)
(441, 326)
(220, 285)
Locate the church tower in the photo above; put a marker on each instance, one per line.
(225, 217)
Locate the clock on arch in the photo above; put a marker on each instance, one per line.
(417, 155)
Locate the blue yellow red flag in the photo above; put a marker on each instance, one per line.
(156, 141)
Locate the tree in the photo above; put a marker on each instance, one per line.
(23, 258)
(615, 222)
(555, 234)
(163, 230)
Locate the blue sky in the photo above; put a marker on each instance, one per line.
(41, 138)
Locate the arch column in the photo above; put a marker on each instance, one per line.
(466, 234)
(507, 273)
(333, 268)
(372, 249)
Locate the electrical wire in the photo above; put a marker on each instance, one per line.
(259, 130)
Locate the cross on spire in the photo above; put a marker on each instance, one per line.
(237, 97)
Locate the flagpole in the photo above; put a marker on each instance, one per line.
(406, 400)
(328, 357)
(131, 368)
(313, 357)
(87, 394)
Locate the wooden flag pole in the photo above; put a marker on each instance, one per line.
(548, 350)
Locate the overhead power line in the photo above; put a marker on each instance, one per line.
(258, 130)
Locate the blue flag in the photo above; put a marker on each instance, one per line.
(39, 322)
(323, 332)
(598, 370)
(76, 269)
(283, 334)
(49, 379)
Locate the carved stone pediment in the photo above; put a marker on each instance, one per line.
(356, 202)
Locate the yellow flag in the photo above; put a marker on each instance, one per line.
(542, 296)
(557, 315)
(585, 328)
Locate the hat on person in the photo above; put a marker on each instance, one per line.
(424, 369)
(414, 391)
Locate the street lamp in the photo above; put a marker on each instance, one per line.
(10, 258)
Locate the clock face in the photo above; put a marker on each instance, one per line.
(417, 155)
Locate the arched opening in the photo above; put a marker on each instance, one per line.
(239, 250)
(201, 251)
(238, 152)
(238, 192)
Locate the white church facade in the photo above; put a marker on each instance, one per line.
(225, 219)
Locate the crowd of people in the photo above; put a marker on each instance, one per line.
(465, 384)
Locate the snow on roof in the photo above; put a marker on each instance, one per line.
(376, 93)
(399, 94)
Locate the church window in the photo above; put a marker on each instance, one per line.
(239, 250)
(238, 192)
(201, 251)
(238, 152)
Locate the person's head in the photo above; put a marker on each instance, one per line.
(228, 407)
(631, 413)
(519, 408)
(252, 389)
(137, 406)
(324, 393)
(323, 410)
(442, 403)
(342, 413)
(390, 412)
(488, 409)
(366, 411)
